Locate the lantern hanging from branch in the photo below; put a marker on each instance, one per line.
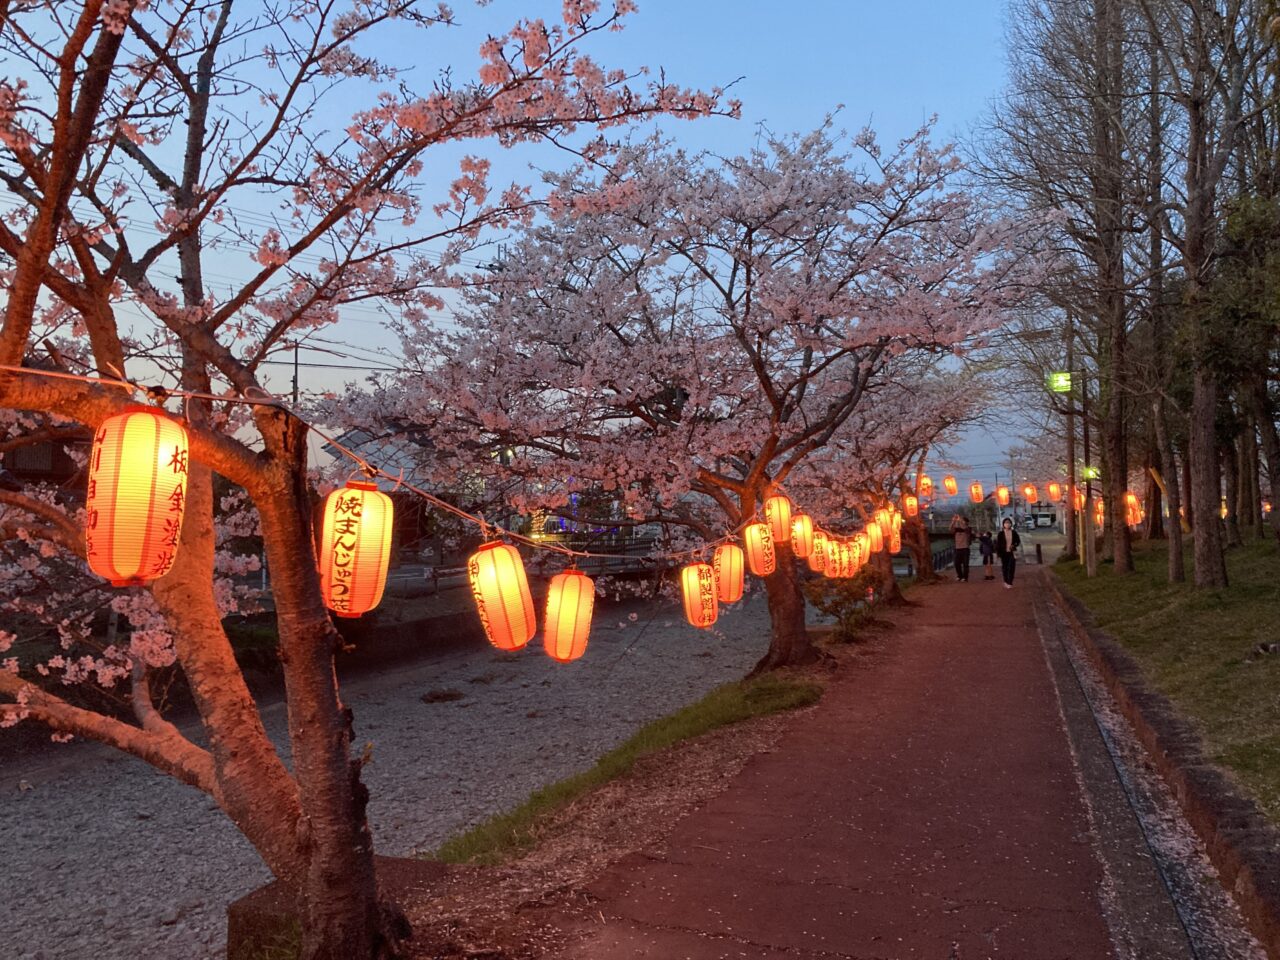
(777, 513)
(833, 556)
(137, 493)
(924, 484)
(726, 562)
(1078, 498)
(571, 598)
(911, 505)
(761, 558)
(818, 555)
(876, 538)
(884, 520)
(895, 541)
(1002, 495)
(354, 552)
(501, 592)
(698, 584)
(1030, 493)
(863, 540)
(975, 492)
(802, 535)
(1055, 491)
(950, 485)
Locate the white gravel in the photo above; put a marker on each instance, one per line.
(104, 858)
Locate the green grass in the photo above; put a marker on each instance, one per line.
(1199, 648)
(509, 834)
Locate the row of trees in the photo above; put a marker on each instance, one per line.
(1146, 132)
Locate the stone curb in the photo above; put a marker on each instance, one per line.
(1243, 846)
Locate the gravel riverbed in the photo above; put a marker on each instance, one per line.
(104, 858)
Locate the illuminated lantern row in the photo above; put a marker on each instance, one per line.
(354, 551)
(802, 535)
(950, 485)
(975, 492)
(761, 558)
(818, 555)
(571, 598)
(727, 566)
(777, 513)
(1030, 494)
(698, 585)
(911, 505)
(501, 592)
(1055, 491)
(137, 493)
(1002, 495)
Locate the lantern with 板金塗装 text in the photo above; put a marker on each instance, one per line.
(761, 559)
(975, 492)
(501, 592)
(726, 563)
(777, 513)
(698, 585)
(950, 485)
(911, 505)
(137, 494)
(355, 548)
(802, 535)
(924, 485)
(571, 598)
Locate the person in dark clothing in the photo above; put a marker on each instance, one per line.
(1007, 544)
(963, 535)
(987, 547)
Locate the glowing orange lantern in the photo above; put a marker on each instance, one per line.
(911, 505)
(761, 558)
(802, 535)
(857, 555)
(950, 485)
(1079, 498)
(863, 541)
(925, 485)
(137, 492)
(777, 513)
(727, 564)
(1030, 493)
(355, 548)
(876, 538)
(833, 556)
(975, 492)
(895, 542)
(698, 584)
(1002, 495)
(818, 555)
(571, 598)
(1055, 491)
(501, 592)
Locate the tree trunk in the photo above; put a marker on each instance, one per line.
(1210, 564)
(341, 919)
(1231, 493)
(789, 642)
(1270, 437)
(1154, 500)
(916, 539)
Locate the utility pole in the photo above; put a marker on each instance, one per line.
(1073, 551)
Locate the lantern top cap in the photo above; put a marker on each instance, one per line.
(361, 485)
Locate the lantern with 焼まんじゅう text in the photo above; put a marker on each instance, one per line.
(354, 551)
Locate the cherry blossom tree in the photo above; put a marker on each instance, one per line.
(684, 330)
(189, 187)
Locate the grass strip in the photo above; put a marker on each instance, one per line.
(510, 834)
(1213, 653)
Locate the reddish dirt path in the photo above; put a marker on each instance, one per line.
(927, 808)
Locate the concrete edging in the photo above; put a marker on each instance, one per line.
(1242, 845)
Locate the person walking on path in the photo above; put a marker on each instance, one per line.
(1007, 544)
(963, 535)
(987, 547)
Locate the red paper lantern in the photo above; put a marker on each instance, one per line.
(895, 542)
(137, 493)
(1002, 495)
(727, 564)
(501, 592)
(698, 584)
(802, 535)
(1078, 498)
(950, 485)
(777, 513)
(571, 598)
(818, 555)
(354, 552)
(761, 558)
(911, 505)
(925, 485)
(1030, 493)
(975, 492)
(1055, 491)
(876, 538)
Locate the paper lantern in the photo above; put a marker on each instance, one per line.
(924, 484)
(137, 493)
(501, 592)
(727, 565)
(1002, 495)
(355, 548)
(833, 556)
(802, 535)
(571, 598)
(818, 555)
(758, 540)
(1055, 492)
(911, 505)
(895, 542)
(884, 520)
(1030, 493)
(876, 536)
(698, 584)
(857, 554)
(1078, 498)
(950, 485)
(863, 540)
(975, 492)
(777, 513)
